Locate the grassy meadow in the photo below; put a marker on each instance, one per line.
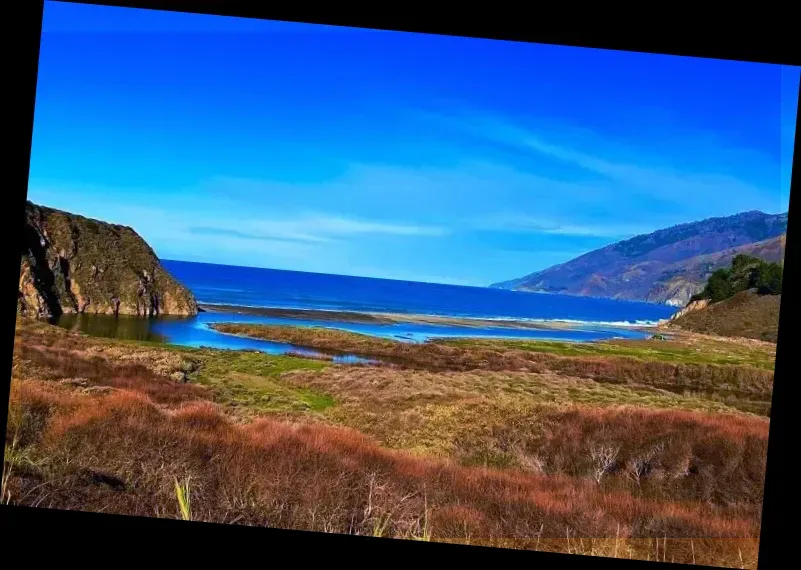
(648, 449)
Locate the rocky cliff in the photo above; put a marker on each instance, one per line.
(690, 308)
(666, 266)
(73, 264)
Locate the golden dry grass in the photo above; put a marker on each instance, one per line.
(506, 458)
(120, 452)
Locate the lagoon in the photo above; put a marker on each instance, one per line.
(400, 310)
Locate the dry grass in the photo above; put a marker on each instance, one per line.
(78, 369)
(122, 453)
(482, 355)
(551, 424)
(681, 346)
(47, 353)
(505, 458)
(744, 315)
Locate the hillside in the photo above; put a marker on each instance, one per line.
(72, 264)
(666, 266)
(746, 314)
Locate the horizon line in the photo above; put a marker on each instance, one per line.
(162, 259)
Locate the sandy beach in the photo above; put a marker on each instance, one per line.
(394, 318)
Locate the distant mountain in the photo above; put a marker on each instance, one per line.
(666, 266)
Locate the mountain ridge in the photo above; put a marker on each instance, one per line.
(666, 266)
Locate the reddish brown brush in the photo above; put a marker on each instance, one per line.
(98, 371)
(319, 477)
(117, 432)
(709, 458)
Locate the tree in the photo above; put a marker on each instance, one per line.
(741, 261)
(718, 287)
(744, 272)
(769, 279)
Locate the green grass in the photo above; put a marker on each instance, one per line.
(246, 380)
(242, 379)
(490, 458)
(648, 350)
(251, 380)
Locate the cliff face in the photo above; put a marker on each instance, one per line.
(72, 264)
(666, 266)
(691, 307)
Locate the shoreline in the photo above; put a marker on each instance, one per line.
(376, 318)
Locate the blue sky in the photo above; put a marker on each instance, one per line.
(389, 154)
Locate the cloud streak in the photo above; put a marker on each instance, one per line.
(631, 170)
(527, 224)
(344, 226)
(317, 229)
(212, 231)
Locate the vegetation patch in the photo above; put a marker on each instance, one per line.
(746, 272)
(604, 365)
(561, 445)
(697, 351)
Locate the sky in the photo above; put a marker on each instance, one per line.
(392, 154)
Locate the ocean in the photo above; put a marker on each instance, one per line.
(589, 318)
(252, 287)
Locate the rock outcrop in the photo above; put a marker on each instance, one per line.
(692, 306)
(73, 264)
(667, 266)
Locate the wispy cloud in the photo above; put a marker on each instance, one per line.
(273, 236)
(224, 248)
(632, 171)
(445, 196)
(344, 226)
(528, 224)
(317, 229)
(212, 231)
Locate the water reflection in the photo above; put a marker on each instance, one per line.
(192, 332)
(108, 326)
(196, 332)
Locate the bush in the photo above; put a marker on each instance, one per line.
(769, 279)
(746, 272)
(719, 286)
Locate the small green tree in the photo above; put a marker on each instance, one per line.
(698, 296)
(718, 287)
(769, 279)
(744, 272)
(741, 261)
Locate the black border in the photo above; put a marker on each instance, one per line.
(720, 36)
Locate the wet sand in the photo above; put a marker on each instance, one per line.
(386, 318)
(305, 314)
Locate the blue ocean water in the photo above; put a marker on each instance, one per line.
(252, 287)
(591, 318)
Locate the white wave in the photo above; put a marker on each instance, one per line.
(535, 320)
(636, 323)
